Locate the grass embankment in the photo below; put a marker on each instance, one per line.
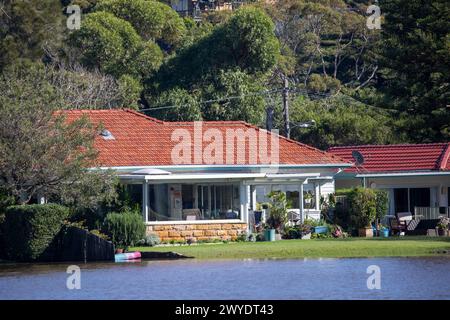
(325, 248)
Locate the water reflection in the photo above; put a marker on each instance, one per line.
(401, 278)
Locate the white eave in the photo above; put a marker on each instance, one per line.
(246, 177)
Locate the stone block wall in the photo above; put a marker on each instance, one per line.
(198, 232)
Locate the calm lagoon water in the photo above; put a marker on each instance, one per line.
(401, 278)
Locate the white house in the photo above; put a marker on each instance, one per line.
(202, 179)
(417, 176)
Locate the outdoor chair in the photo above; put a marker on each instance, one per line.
(401, 222)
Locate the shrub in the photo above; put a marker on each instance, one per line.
(381, 203)
(362, 203)
(278, 210)
(124, 229)
(30, 229)
(150, 240)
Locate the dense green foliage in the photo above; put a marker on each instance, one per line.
(141, 53)
(416, 66)
(362, 207)
(341, 121)
(124, 229)
(42, 154)
(381, 203)
(30, 229)
(152, 20)
(29, 29)
(112, 45)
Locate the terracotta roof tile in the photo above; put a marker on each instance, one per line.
(398, 158)
(144, 141)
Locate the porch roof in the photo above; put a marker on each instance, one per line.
(247, 178)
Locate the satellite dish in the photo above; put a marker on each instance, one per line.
(359, 158)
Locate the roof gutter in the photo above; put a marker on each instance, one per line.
(225, 166)
(402, 174)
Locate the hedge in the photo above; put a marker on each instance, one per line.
(29, 230)
(124, 229)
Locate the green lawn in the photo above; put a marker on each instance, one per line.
(330, 248)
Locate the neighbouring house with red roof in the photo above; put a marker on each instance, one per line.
(203, 180)
(417, 176)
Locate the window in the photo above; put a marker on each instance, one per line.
(178, 202)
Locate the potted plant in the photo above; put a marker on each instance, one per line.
(304, 231)
(362, 202)
(308, 198)
(383, 230)
(443, 226)
(277, 216)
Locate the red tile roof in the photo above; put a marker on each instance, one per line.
(144, 141)
(398, 158)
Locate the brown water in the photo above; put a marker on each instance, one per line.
(401, 278)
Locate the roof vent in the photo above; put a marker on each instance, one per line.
(107, 135)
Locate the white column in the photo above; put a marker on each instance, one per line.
(300, 202)
(317, 192)
(145, 204)
(253, 196)
(244, 199)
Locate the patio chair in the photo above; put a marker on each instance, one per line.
(401, 222)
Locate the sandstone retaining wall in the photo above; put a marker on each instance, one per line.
(197, 232)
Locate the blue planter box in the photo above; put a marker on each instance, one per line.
(320, 229)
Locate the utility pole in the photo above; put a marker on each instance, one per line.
(287, 129)
(269, 118)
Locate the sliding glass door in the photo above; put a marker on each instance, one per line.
(407, 198)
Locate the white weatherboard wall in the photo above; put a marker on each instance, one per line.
(438, 185)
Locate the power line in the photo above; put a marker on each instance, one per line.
(259, 93)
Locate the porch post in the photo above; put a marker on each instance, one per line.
(244, 199)
(145, 204)
(300, 202)
(317, 192)
(253, 196)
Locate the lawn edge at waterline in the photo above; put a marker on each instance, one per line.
(318, 248)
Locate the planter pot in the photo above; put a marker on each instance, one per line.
(119, 250)
(320, 229)
(306, 236)
(269, 235)
(366, 232)
(442, 232)
(277, 236)
(384, 233)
